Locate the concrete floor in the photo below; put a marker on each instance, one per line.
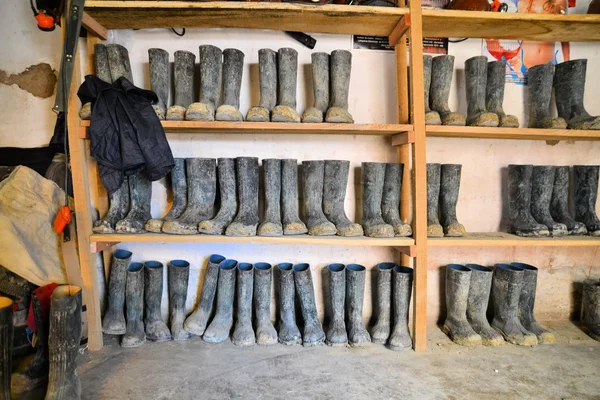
(569, 369)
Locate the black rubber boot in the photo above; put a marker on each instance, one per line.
(442, 68)
(358, 336)
(287, 75)
(156, 329)
(456, 326)
(179, 273)
(211, 72)
(390, 203)
(494, 94)
(118, 209)
(63, 343)
(506, 292)
(403, 285)
(336, 334)
(569, 86)
(334, 195)
(449, 187)
(313, 331)
(542, 183)
(179, 190)
(201, 176)
(243, 334)
(381, 330)
(267, 70)
(373, 177)
(521, 222)
(539, 82)
(140, 191)
(118, 62)
(6, 344)
(233, 69)
(477, 304)
(219, 327)
(590, 308)
(292, 225)
(197, 321)
(113, 322)
(102, 71)
(434, 228)
(431, 117)
(183, 75)
(271, 225)
(559, 204)
(265, 332)
(246, 220)
(289, 334)
(159, 79)
(586, 192)
(476, 82)
(228, 207)
(135, 335)
(320, 76)
(527, 303)
(341, 66)
(313, 174)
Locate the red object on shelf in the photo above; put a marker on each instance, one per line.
(62, 219)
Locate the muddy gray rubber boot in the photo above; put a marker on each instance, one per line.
(289, 334)
(373, 177)
(292, 225)
(118, 209)
(431, 117)
(267, 70)
(506, 292)
(156, 329)
(334, 195)
(381, 330)
(313, 174)
(228, 206)
(183, 75)
(179, 273)
(102, 71)
(449, 187)
(211, 72)
(201, 176)
(63, 343)
(313, 331)
(265, 332)
(243, 334)
(135, 335)
(159, 79)
(233, 68)
(6, 344)
(442, 68)
(476, 82)
(539, 82)
(197, 321)
(341, 67)
(118, 62)
(358, 336)
(569, 87)
(586, 192)
(219, 327)
(521, 222)
(456, 326)
(494, 94)
(559, 204)
(320, 75)
(434, 228)
(140, 193)
(390, 203)
(542, 183)
(246, 219)
(287, 75)
(403, 285)
(477, 304)
(590, 308)
(113, 322)
(336, 334)
(527, 303)
(179, 190)
(271, 225)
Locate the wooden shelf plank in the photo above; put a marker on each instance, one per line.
(502, 239)
(494, 25)
(510, 133)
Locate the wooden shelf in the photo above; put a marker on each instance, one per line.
(510, 133)
(501, 239)
(494, 25)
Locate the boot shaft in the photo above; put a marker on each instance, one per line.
(118, 62)
(227, 181)
(245, 284)
(134, 292)
(289, 187)
(272, 182)
(287, 310)
(433, 192)
(542, 183)
(569, 85)
(287, 71)
(247, 182)
(211, 70)
(153, 289)
(476, 82)
(494, 91)
(519, 190)
(341, 65)
(559, 204)
(506, 291)
(586, 189)
(267, 69)
(355, 290)
(392, 185)
(140, 192)
(262, 290)
(306, 293)
(313, 174)
(590, 304)
(158, 61)
(403, 286)
(183, 75)
(528, 290)
(480, 287)
(101, 66)
(179, 272)
(118, 278)
(337, 290)
(539, 82)
(320, 74)
(372, 177)
(178, 188)
(449, 188)
(226, 287)
(384, 288)
(427, 61)
(233, 68)
(202, 184)
(442, 68)
(458, 280)
(334, 188)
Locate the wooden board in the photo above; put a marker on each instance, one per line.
(502, 239)
(510, 133)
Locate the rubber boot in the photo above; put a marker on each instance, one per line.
(287, 75)
(233, 69)
(6, 344)
(113, 322)
(211, 72)
(183, 75)
(527, 303)
(494, 94)
(403, 283)
(228, 207)
(476, 82)
(590, 308)
(390, 203)
(320, 75)
(480, 288)
(197, 321)
(289, 334)
(292, 225)
(135, 335)
(373, 177)
(313, 174)
(334, 195)
(118, 62)
(358, 336)
(449, 187)
(456, 326)
(179, 273)
(271, 225)
(431, 117)
(265, 332)
(63, 343)
(341, 66)
(179, 190)
(243, 334)
(336, 334)
(521, 222)
(219, 327)
(118, 209)
(102, 71)
(140, 191)
(267, 70)
(434, 228)
(313, 331)
(159, 79)
(156, 329)
(559, 204)
(539, 82)
(542, 183)
(586, 192)
(201, 176)
(442, 68)
(569, 86)
(380, 332)
(246, 219)
(506, 292)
